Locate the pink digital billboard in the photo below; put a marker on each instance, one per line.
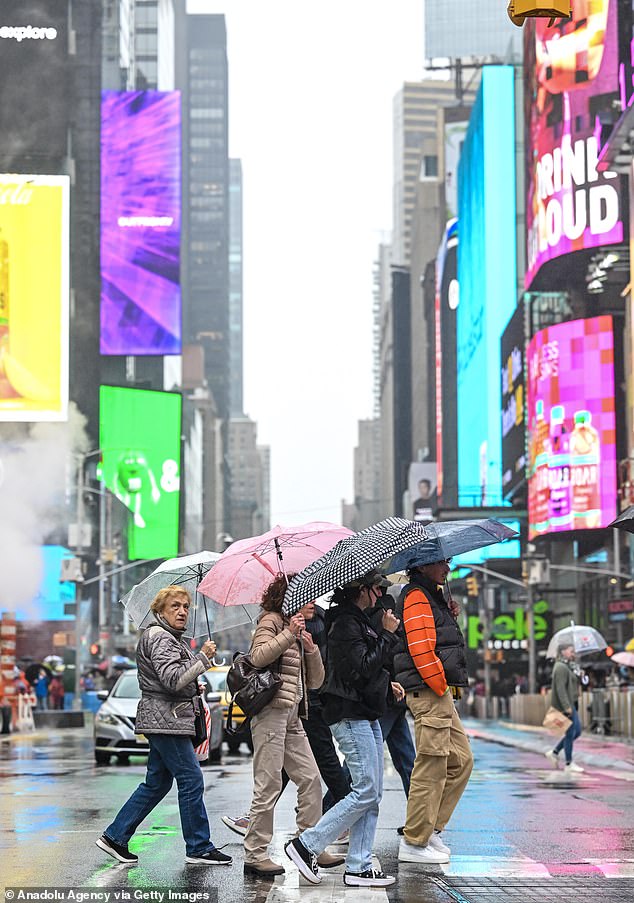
(571, 78)
(571, 427)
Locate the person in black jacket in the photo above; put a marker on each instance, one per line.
(355, 696)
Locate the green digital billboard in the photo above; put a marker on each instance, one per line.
(139, 436)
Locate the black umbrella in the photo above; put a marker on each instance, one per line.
(351, 558)
(625, 521)
(33, 672)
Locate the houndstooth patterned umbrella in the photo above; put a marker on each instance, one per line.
(350, 559)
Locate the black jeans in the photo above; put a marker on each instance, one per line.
(336, 776)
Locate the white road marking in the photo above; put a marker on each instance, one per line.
(287, 888)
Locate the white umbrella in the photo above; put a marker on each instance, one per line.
(585, 640)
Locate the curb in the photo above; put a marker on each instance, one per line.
(539, 746)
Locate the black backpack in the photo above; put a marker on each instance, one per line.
(251, 688)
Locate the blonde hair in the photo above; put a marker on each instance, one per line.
(164, 595)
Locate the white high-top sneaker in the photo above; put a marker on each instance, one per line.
(407, 852)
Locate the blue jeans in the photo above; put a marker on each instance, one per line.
(398, 737)
(361, 742)
(569, 737)
(170, 757)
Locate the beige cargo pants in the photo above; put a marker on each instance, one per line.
(442, 766)
(279, 741)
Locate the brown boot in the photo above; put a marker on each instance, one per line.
(263, 868)
(328, 861)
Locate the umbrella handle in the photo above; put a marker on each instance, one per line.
(218, 664)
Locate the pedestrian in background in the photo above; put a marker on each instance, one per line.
(432, 667)
(394, 726)
(41, 691)
(355, 696)
(168, 672)
(279, 739)
(565, 698)
(56, 692)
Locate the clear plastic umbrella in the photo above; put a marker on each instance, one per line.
(585, 640)
(205, 616)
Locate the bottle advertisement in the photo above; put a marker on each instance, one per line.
(571, 427)
(34, 297)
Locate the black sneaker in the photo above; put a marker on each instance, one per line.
(211, 857)
(369, 878)
(116, 850)
(305, 861)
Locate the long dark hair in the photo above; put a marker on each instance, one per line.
(345, 595)
(273, 595)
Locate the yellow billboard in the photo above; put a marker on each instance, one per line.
(34, 290)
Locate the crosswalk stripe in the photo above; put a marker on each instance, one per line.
(525, 867)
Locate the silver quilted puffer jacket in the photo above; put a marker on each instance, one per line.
(167, 676)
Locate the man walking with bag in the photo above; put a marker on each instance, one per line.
(432, 669)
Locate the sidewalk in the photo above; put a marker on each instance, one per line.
(590, 749)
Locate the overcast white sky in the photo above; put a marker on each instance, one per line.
(310, 115)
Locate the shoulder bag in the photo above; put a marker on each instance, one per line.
(251, 688)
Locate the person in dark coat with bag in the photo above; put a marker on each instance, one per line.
(432, 668)
(355, 696)
(168, 672)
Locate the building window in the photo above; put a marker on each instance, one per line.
(429, 167)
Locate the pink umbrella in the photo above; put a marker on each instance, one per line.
(246, 568)
(624, 658)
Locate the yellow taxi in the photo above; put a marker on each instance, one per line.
(216, 678)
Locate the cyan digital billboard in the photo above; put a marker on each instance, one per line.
(488, 282)
(140, 222)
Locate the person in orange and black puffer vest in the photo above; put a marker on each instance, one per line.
(432, 669)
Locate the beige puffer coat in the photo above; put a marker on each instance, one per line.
(273, 640)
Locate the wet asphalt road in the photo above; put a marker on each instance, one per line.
(521, 831)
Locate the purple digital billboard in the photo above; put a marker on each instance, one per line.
(571, 427)
(571, 86)
(140, 222)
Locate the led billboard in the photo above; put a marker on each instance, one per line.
(571, 84)
(513, 349)
(487, 278)
(571, 427)
(140, 222)
(139, 436)
(33, 72)
(421, 487)
(34, 297)
(445, 311)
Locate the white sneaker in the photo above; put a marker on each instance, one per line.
(436, 843)
(573, 769)
(552, 757)
(239, 825)
(425, 855)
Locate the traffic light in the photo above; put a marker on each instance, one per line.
(95, 650)
(519, 10)
(473, 588)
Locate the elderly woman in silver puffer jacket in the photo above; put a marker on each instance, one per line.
(168, 672)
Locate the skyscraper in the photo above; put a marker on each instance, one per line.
(235, 288)
(201, 76)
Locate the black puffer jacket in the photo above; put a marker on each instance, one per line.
(357, 684)
(316, 627)
(450, 644)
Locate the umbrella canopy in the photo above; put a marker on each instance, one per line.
(450, 538)
(351, 558)
(187, 572)
(245, 569)
(585, 640)
(623, 658)
(625, 521)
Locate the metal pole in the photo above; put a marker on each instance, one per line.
(532, 646)
(489, 605)
(78, 586)
(102, 568)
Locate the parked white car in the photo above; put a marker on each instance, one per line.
(115, 721)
